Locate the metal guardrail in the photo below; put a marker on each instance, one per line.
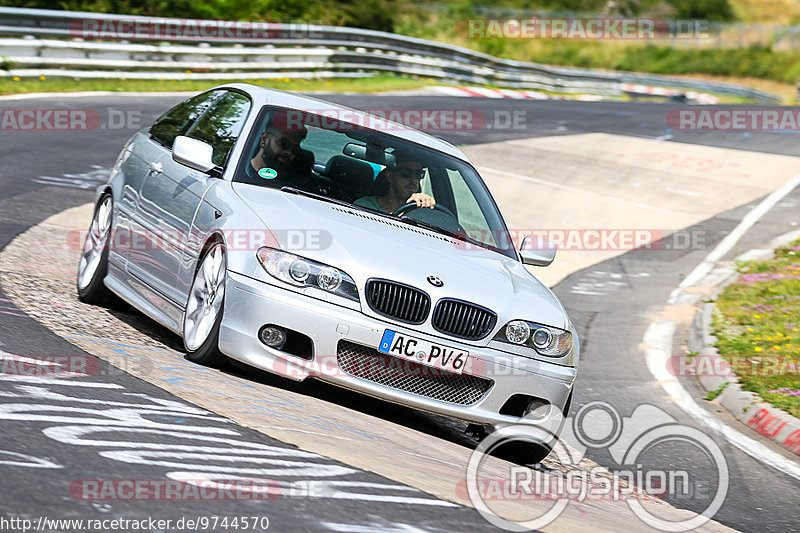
(50, 43)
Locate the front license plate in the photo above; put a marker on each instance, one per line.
(423, 352)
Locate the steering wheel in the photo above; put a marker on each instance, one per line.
(410, 206)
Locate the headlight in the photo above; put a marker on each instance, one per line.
(546, 340)
(302, 272)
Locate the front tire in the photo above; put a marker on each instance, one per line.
(93, 265)
(203, 315)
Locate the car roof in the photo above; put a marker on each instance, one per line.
(265, 96)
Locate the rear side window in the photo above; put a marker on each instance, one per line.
(179, 119)
(221, 125)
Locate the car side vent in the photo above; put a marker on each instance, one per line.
(463, 319)
(398, 301)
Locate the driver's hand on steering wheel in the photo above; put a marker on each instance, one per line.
(422, 200)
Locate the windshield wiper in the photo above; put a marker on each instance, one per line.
(301, 192)
(457, 235)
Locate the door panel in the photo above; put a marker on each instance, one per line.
(163, 201)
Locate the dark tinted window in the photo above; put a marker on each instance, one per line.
(179, 119)
(221, 125)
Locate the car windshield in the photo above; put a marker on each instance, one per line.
(333, 158)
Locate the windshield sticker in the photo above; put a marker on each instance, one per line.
(268, 173)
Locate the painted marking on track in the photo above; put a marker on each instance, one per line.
(658, 338)
(601, 283)
(188, 452)
(730, 240)
(58, 381)
(85, 180)
(373, 528)
(9, 458)
(658, 342)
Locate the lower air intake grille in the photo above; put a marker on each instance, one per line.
(367, 363)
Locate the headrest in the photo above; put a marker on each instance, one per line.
(351, 174)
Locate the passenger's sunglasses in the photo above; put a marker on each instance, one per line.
(285, 144)
(409, 173)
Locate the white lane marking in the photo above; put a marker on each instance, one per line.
(658, 339)
(658, 342)
(727, 244)
(379, 528)
(576, 189)
(87, 94)
(187, 447)
(85, 180)
(29, 461)
(59, 381)
(38, 362)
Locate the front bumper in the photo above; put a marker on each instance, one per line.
(250, 304)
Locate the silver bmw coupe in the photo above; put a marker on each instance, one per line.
(312, 240)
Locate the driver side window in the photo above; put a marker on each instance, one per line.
(179, 119)
(221, 125)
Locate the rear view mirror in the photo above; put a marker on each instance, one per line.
(193, 153)
(537, 251)
(359, 151)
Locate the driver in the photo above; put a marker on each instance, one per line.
(397, 185)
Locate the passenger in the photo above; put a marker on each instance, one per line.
(397, 185)
(281, 159)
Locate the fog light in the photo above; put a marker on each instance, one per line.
(538, 408)
(272, 336)
(518, 332)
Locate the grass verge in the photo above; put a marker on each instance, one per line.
(361, 85)
(757, 325)
(782, 67)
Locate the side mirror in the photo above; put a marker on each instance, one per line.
(193, 153)
(537, 251)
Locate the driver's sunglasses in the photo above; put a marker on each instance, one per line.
(285, 143)
(409, 173)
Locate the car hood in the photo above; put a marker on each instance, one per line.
(367, 245)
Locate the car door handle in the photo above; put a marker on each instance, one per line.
(156, 168)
